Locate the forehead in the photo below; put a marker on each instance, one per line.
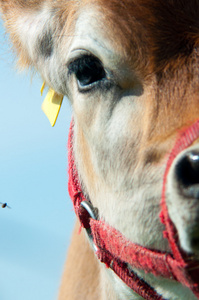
(100, 28)
(143, 31)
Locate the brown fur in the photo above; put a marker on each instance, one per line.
(81, 270)
(158, 41)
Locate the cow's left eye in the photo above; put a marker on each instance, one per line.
(88, 71)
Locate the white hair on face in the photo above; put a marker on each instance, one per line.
(112, 134)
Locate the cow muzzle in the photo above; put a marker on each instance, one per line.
(183, 198)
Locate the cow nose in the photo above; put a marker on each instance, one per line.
(187, 174)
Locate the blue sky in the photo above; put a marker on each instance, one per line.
(35, 232)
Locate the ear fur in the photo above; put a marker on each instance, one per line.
(38, 30)
(19, 19)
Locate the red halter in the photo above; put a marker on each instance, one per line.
(117, 252)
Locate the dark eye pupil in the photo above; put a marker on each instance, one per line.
(88, 70)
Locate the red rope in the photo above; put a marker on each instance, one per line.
(189, 278)
(116, 251)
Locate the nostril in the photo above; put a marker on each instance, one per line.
(187, 174)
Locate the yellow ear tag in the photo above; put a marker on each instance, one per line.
(51, 105)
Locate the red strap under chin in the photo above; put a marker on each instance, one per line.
(117, 252)
(117, 265)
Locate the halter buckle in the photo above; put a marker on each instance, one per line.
(92, 212)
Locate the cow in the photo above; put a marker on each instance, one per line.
(130, 70)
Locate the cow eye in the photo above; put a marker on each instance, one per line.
(88, 71)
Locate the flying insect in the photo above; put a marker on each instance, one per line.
(3, 205)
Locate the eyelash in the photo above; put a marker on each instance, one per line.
(89, 72)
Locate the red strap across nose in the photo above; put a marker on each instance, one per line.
(190, 274)
(119, 253)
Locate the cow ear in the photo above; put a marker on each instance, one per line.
(41, 32)
(29, 24)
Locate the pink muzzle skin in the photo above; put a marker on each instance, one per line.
(118, 253)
